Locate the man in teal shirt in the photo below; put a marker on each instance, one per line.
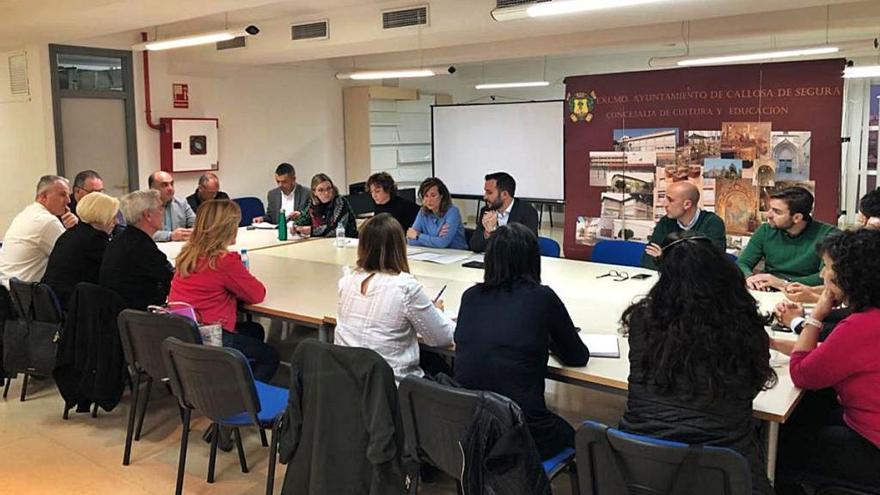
(683, 214)
(786, 243)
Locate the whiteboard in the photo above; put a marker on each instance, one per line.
(522, 139)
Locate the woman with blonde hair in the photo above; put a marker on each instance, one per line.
(383, 307)
(213, 280)
(77, 254)
(326, 210)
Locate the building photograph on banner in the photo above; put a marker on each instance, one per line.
(746, 141)
(590, 230)
(791, 152)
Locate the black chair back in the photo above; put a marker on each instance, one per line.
(214, 380)
(142, 334)
(35, 302)
(612, 462)
(357, 188)
(408, 194)
(435, 418)
(361, 203)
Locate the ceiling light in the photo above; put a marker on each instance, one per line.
(560, 7)
(754, 56)
(864, 71)
(370, 75)
(196, 39)
(528, 84)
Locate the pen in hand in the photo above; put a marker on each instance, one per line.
(439, 294)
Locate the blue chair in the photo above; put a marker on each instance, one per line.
(435, 417)
(614, 462)
(218, 382)
(251, 208)
(549, 247)
(613, 252)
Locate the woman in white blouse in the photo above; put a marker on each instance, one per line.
(383, 307)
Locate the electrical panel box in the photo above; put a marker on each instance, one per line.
(188, 145)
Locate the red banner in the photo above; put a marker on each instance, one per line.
(796, 97)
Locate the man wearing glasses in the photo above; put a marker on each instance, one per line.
(87, 181)
(683, 214)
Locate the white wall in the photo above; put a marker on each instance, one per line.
(27, 147)
(267, 116)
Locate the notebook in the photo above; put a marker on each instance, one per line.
(602, 345)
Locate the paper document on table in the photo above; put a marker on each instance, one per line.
(264, 226)
(601, 345)
(476, 257)
(414, 250)
(443, 259)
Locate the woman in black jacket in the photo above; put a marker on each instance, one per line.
(506, 327)
(698, 355)
(77, 254)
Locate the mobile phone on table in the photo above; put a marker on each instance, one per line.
(641, 276)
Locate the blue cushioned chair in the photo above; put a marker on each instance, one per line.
(614, 252)
(612, 462)
(549, 247)
(251, 208)
(218, 382)
(434, 419)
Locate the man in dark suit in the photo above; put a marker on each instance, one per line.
(289, 196)
(501, 208)
(209, 188)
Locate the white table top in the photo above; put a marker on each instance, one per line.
(301, 281)
(246, 239)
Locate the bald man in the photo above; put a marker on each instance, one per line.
(683, 214)
(178, 216)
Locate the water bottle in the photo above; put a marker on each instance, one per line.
(340, 235)
(282, 226)
(245, 260)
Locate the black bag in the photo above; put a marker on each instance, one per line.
(30, 342)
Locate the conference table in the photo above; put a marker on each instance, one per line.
(302, 278)
(250, 239)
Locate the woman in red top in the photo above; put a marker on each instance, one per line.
(213, 280)
(838, 438)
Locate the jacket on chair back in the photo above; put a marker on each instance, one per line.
(341, 433)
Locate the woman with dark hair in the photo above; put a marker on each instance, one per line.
(507, 325)
(698, 354)
(326, 210)
(836, 433)
(438, 223)
(383, 307)
(383, 190)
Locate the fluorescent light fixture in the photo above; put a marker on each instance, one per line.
(754, 56)
(527, 84)
(196, 39)
(560, 7)
(864, 71)
(370, 75)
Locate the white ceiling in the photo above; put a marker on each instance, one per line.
(460, 31)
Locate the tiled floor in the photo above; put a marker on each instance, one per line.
(43, 454)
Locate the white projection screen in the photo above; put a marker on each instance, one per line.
(522, 139)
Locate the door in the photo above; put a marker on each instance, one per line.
(93, 103)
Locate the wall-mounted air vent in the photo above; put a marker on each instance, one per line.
(414, 16)
(318, 30)
(18, 75)
(515, 3)
(237, 42)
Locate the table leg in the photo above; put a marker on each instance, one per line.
(772, 446)
(325, 333)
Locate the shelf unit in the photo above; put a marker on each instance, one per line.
(388, 129)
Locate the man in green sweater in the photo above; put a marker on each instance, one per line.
(683, 214)
(786, 243)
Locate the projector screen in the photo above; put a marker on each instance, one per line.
(522, 139)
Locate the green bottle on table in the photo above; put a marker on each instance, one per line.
(282, 226)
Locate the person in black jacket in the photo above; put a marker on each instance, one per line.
(698, 355)
(501, 209)
(77, 254)
(208, 189)
(516, 320)
(133, 266)
(384, 193)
